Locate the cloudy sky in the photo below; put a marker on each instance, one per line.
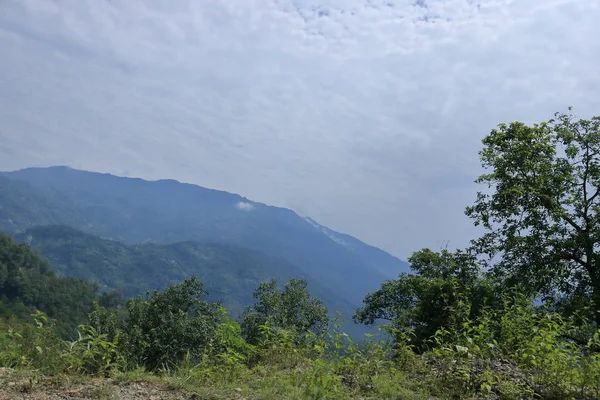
(366, 115)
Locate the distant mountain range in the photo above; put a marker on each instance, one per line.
(178, 223)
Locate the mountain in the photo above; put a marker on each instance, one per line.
(376, 258)
(134, 210)
(229, 273)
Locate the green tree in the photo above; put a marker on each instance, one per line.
(164, 327)
(542, 207)
(291, 308)
(445, 289)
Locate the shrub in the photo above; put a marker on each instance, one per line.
(163, 328)
(31, 346)
(92, 353)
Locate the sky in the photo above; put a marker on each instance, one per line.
(365, 115)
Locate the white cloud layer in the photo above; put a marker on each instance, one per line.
(366, 115)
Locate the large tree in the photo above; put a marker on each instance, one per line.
(443, 289)
(541, 211)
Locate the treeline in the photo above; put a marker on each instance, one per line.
(514, 316)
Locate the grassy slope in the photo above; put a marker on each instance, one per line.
(268, 384)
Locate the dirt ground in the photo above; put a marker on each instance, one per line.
(15, 385)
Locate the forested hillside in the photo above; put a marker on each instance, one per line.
(28, 284)
(229, 273)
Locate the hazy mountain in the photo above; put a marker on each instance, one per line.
(373, 256)
(134, 211)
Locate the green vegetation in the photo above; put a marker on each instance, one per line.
(162, 328)
(291, 309)
(543, 214)
(28, 284)
(229, 273)
(444, 289)
(461, 325)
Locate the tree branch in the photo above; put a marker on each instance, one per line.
(591, 199)
(573, 257)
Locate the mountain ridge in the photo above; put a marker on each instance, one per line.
(134, 210)
(389, 263)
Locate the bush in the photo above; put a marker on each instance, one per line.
(291, 309)
(523, 351)
(30, 346)
(92, 353)
(159, 331)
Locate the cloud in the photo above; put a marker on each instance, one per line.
(244, 206)
(329, 106)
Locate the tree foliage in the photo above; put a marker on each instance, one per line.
(291, 308)
(28, 283)
(161, 329)
(542, 209)
(443, 290)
